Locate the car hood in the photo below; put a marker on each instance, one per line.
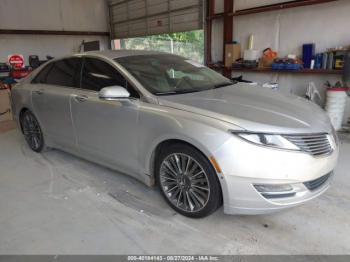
(254, 108)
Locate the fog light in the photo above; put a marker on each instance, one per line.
(275, 191)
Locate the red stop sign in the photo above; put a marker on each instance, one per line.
(17, 61)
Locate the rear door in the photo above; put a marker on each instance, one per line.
(51, 100)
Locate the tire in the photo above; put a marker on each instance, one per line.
(32, 131)
(188, 181)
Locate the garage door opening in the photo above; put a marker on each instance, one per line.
(188, 44)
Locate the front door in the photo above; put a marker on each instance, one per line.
(106, 130)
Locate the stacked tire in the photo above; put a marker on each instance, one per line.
(335, 105)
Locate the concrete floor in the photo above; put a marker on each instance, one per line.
(7, 126)
(54, 203)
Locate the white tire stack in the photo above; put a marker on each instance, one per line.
(335, 105)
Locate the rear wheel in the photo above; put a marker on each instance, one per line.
(187, 181)
(32, 131)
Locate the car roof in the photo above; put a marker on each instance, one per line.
(112, 54)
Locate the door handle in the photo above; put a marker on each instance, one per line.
(39, 92)
(80, 98)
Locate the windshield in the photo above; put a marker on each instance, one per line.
(171, 74)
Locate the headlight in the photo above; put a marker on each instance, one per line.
(270, 140)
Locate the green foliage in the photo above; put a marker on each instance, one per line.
(188, 44)
(191, 36)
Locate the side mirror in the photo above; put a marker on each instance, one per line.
(113, 92)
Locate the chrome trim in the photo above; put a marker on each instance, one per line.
(315, 138)
(279, 195)
(315, 144)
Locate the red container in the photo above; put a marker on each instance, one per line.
(20, 73)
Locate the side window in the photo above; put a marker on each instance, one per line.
(40, 78)
(98, 74)
(65, 72)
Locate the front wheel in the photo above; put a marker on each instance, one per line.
(32, 131)
(187, 181)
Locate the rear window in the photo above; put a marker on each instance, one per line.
(40, 78)
(64, 72)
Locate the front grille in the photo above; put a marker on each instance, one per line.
(315, 184)
(314, 144)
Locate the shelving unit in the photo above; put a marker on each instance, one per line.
(281, 71)
(300, 71)
(227, 17)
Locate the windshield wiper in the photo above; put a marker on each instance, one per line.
(177, 92)
(225, 84)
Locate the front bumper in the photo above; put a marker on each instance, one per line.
(244, 165)
(250, 202)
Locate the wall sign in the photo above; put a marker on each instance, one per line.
(16, 61)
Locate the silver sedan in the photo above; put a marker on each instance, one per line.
(171, 122)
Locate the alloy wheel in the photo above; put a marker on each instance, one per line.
(32, 132)
(184, 182)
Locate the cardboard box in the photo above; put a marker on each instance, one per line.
(232, 53)
(5, 105)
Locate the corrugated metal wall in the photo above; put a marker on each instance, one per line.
(77, 15)
(134, 18)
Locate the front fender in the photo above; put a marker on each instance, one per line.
(158, 124)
